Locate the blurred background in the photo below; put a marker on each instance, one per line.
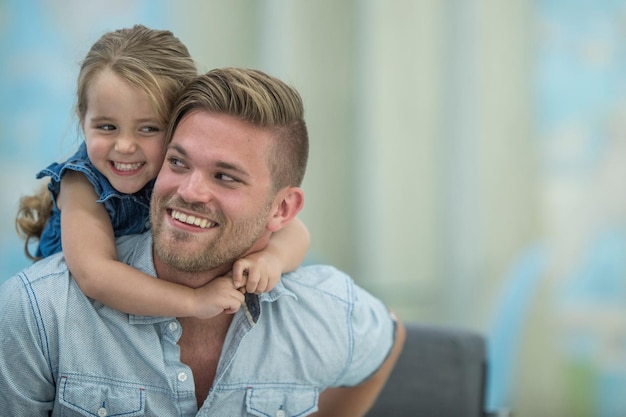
(468, 159)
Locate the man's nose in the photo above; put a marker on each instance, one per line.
(195, 188)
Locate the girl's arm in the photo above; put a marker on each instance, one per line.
(89, 248)
(261, 271)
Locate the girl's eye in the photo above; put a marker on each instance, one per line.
(150, 129)
(106, 127)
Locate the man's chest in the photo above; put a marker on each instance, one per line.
(200, 349)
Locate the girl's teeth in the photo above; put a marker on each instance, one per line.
(126, 167)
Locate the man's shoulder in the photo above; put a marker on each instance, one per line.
(319, 311)
(324, 291)
(319, 275)
(44, 269)
(43, 278)
(130, 246)
(319, 278)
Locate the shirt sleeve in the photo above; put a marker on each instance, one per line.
(372, 330)
(26, 377)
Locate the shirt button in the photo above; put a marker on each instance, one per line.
(102, 412)
(280, 413)
(182, 377)
(173, 326)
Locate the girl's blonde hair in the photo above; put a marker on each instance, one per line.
(154, 61)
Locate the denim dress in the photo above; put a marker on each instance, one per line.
(129, 213)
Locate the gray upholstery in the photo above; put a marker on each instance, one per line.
(440, 373)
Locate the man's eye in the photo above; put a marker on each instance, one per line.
(175, 162)
(225, 178)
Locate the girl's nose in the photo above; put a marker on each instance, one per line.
(125, 144)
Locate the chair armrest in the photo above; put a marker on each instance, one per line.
(503, 412)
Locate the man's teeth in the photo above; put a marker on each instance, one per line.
(120, 166)
(189, 219)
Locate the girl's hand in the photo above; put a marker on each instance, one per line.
(258, 272)
(216, 297)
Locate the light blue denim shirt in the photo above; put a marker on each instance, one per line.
(129, 213)
(63, 354)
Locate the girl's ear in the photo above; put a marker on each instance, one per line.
(287, 205)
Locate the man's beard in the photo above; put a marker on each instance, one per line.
(224, 248)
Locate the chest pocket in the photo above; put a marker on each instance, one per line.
(80, 396)
(281, 401)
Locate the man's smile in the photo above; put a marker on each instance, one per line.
(192, 220)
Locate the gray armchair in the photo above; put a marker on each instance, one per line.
(440, 373)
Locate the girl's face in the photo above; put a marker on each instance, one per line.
(125, 140)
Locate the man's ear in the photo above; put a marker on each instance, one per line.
(287, 204)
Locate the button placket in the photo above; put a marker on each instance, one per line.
(172, 331)
(172, 326)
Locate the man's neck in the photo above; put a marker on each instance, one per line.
(199, 279)
(189, 279)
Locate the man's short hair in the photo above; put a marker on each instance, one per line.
(261, 100)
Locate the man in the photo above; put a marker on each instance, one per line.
(314, 345)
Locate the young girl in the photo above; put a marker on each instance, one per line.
(126, 86)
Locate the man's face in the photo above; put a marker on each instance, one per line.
(213, 196)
